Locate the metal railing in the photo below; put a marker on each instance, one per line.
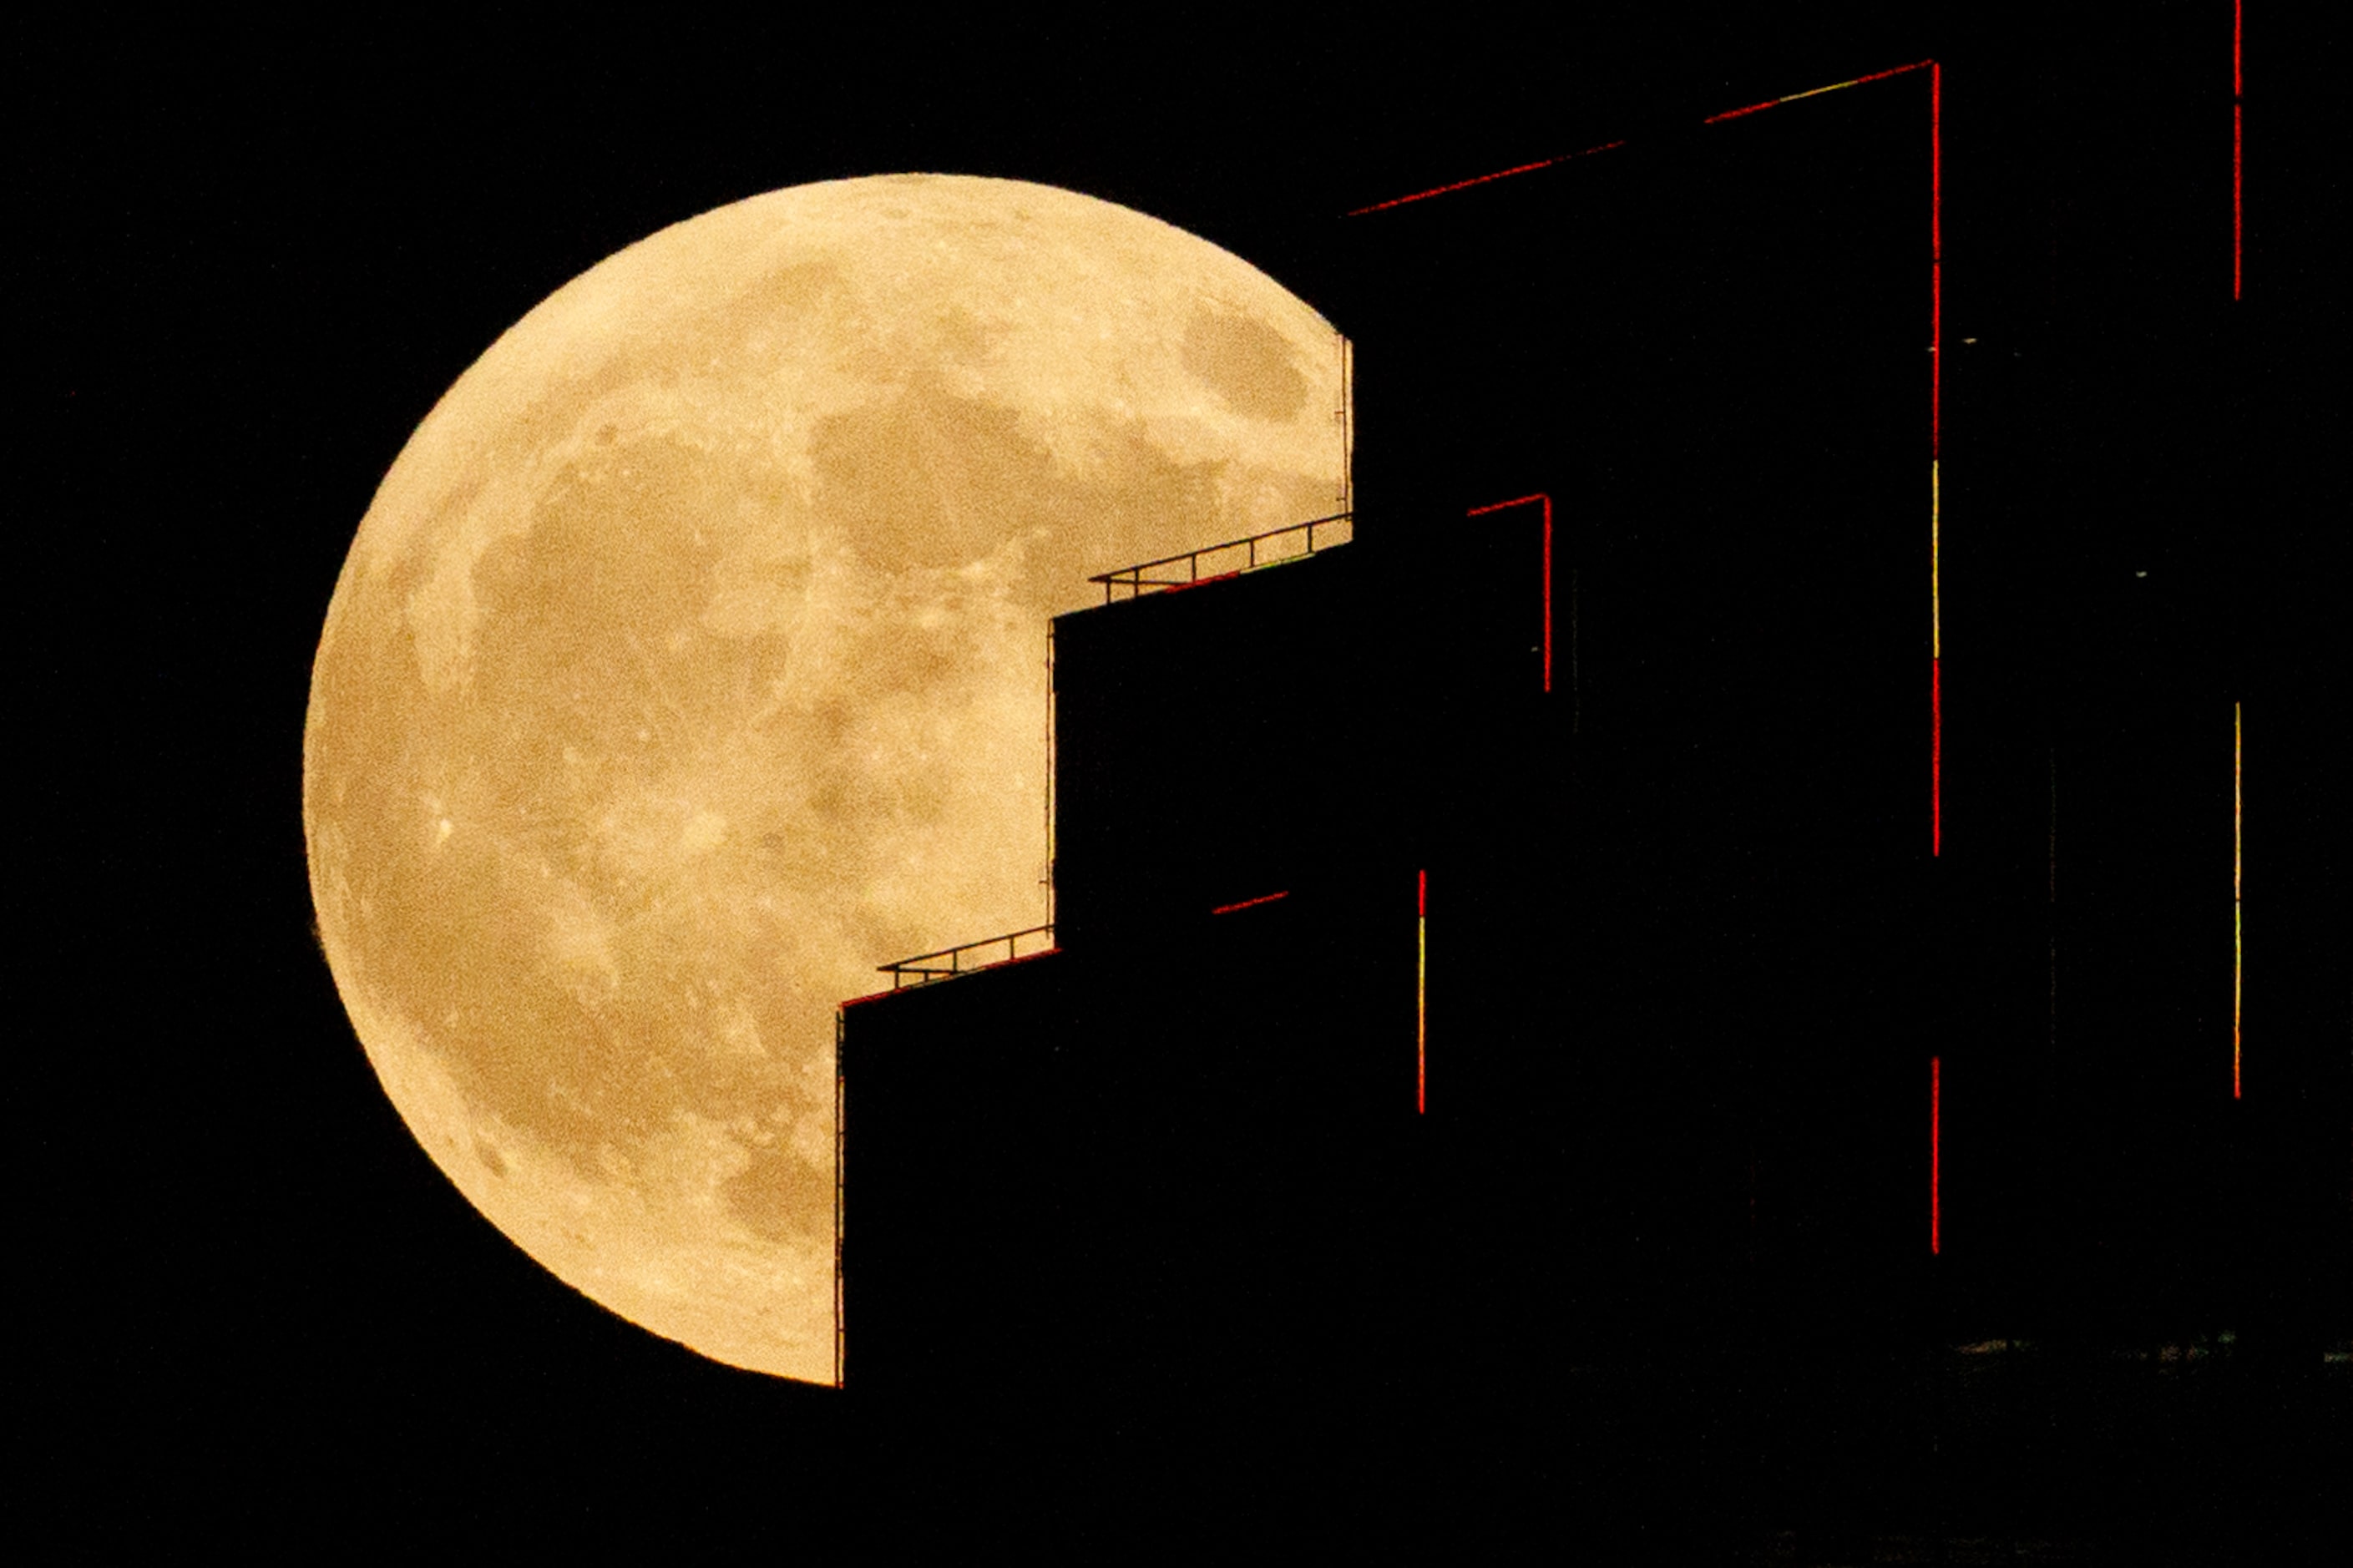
(1256, 552)
(926, 967)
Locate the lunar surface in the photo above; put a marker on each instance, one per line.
(690, 662)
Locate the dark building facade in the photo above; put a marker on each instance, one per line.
(1656, 830)
(1583, 913)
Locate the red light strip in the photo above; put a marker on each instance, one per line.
(2237, 144)
(1935, 356)
(1813, 92)
(1523, 500)
(1250, 903)
(1935, 756)
(1200, 582)
(1936, 1154)
(1421, 997)
(1936, 456)
(1606, 146)
(1935, 259)
(1481, 178)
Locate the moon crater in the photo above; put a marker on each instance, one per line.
(691, 661)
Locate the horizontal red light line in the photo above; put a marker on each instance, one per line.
(1814, 93)
(1606, 146)
(1858, 81)
(1539, 497)
(1498, 505)
(1199, 581)
(1481, 178)
(1250, 903)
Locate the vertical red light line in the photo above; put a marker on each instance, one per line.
(1935, 1155)
(1546, 501)
(1936, 456)
(2238, 146)
(1421, 996)
(2237, 949)
(1935, 756)
(1935, 252)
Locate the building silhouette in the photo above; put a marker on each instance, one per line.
(1578, 914)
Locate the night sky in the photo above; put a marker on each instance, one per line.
(252, 259)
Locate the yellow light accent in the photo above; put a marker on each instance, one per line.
(1812, 91)
(1936, 590)
(1421, 1018)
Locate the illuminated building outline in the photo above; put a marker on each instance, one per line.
(1936, 379)
(1421, 996)
(1935, 1155)
(1523, 500)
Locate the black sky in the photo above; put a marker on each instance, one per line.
(251, 258)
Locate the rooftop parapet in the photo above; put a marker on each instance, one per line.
(1258, 549)
(948, 962)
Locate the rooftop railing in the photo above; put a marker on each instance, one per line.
(1230, 559)
(926, 967)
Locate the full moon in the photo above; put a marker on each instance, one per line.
(690, 663)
